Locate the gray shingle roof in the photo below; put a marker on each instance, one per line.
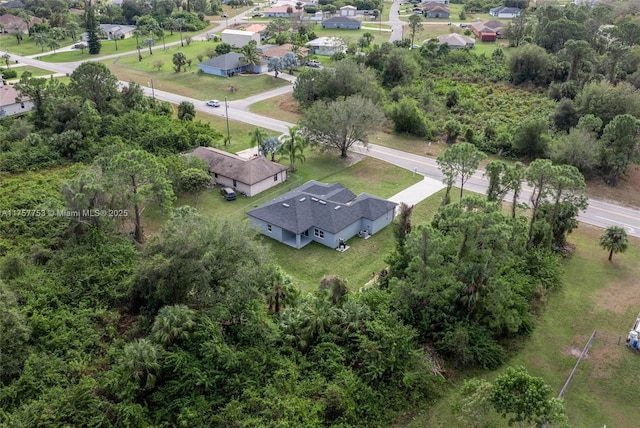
(330, 207)
(245, 170)
(341, 20)
(227, 61)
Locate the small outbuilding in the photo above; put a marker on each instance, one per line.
(348, 10)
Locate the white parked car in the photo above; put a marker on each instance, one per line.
(213, 103)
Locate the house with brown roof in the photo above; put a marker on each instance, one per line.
(12, 103)
(11, 23)
(432, 9)
(483, 33)
(273, 51)
(495, 25)
(246, 175)
(456, 41)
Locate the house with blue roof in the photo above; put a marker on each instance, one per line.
(326, 213)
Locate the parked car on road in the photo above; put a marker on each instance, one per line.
(213, 103)
(313, 63)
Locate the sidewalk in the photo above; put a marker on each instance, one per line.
(418, 192)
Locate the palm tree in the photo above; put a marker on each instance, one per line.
(615, 240)
(283, 292)
(257, 137)
(40, 39)
(72, 29)
(336, 286)
(250, 54)
(140, 360)
(179, 23)
(149, 43)
(172, 323)
(53, 44)
(137, 33)
(293, 145)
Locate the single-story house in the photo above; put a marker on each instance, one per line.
(456, 41)
(247, 175)
(483, 33)
(11, 23)
(436, 10)
(226, 65)
(279, 11)
(322, 212)
(12, 103)
(112, 31)
(257, 28)
(272, 51)
(240, 38)
(505, 12)
(326, 46)
(495, 26)
(348, 10)
(341, 22)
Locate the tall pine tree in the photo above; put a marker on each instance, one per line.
(92, 30)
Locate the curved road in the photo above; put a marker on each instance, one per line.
(599, 213)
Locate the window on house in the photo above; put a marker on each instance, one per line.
(275, 177)
(234, 183)
(22, 105)
(215, 174)
(318, 233)
(269, 227)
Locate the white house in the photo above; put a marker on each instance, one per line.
(12, 103)
(247, 175)
(348, 10)
(279, 11)
(240, 38)
(505, 12)
(456, 41)
(326, 45)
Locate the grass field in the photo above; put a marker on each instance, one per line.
(36, 72)
(379, 32)
(597, 295)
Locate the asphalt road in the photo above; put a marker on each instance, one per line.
(599, 213)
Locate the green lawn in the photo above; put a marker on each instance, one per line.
(597, 294)
(36, 72)
(26, 47)
(239, 131)
(308, 265)
(352, 36)
(189, 83)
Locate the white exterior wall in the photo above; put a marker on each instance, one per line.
(16, 108)
(240, 40)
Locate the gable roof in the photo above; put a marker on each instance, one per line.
(348, 7)
(481, 28)
(239, 32)
(117, 29)
(256, 28)
(494, 24)
(327, 206)
(281, 8)
(341, 20)
(436, 7)
(455, 39)
(505, 9)
(245, 170)
(227, 61)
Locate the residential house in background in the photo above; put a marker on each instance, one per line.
(495, 26)
(322, 212)
(226, 65)
(271, 51)
(16, 4)
(240, 38)
(341, 22)
(505, 12)
(256, 28)
(11, 23)
(456, 41)
(326, 46)
(483, 33)
(12, 103)
(279, 11)
(113, 31)
(246, 175)
(348, 10)
(432, 9)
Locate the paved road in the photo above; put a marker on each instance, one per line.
(599, 213)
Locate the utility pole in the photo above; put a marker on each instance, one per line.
(226, 108)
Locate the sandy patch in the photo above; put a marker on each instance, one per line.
(617, 297)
